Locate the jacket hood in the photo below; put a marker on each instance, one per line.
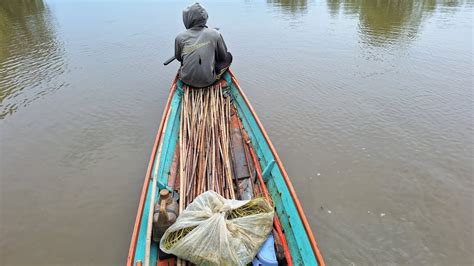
(195, 16)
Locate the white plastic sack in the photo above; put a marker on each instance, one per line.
(217, 240)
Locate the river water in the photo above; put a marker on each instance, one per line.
(369, 103)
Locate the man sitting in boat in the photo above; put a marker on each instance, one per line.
(201, 51)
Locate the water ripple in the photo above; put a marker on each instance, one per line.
(32, 58)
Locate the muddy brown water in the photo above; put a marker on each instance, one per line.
(369, 103)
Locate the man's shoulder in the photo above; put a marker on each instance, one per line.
(181, 35)
(212, 32)
(209, 33)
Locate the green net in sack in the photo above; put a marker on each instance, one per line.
(213, 230)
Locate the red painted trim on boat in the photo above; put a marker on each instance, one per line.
(141, 204)
(307, 228)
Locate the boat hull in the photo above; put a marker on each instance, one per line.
(300, 239)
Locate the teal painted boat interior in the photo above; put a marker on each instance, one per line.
(286, 210)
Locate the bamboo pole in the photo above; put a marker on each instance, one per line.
(205, 144)
(182, 160)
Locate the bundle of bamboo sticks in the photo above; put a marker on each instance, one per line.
(204, 144)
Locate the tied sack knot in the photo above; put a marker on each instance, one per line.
(225, 208)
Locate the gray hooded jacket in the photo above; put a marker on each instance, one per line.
(198, 48)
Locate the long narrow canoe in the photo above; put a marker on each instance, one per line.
(300, 239)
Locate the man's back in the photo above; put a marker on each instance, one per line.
(198, 49)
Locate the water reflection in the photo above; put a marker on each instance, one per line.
(390, 21)
(291, 7)
(31, 58)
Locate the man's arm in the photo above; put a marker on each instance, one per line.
(178, 49)
(221, 49)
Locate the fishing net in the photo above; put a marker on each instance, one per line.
(213, 230)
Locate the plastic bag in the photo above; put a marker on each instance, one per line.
(213, 230)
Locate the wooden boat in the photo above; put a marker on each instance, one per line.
(298, 237)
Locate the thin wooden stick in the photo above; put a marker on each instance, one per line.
(182, 154)
(206, 157)
(182, 160)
